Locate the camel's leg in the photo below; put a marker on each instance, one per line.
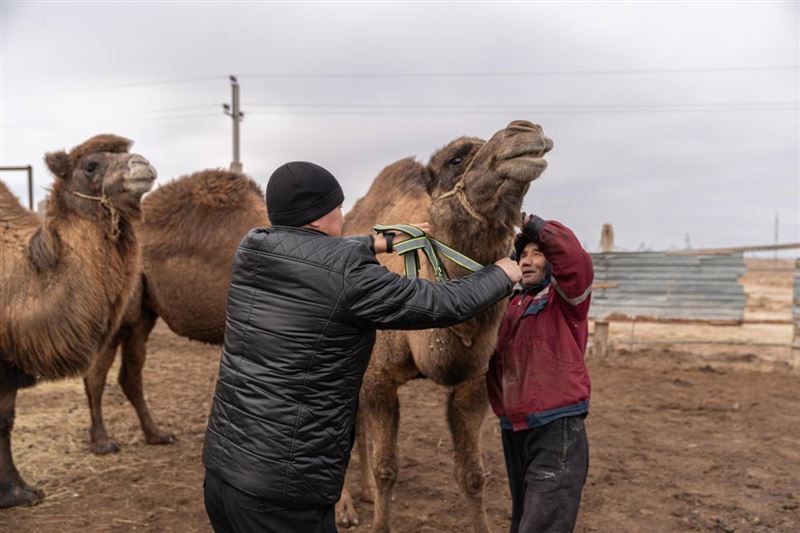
(466, 409)
(13, 489)
(382, 413)
(134, 353)
(346, 513)
(367, 476)
(95, 383)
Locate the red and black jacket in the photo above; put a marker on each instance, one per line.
(538, 373)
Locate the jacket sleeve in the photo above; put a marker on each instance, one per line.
(382, 299)
(572, 268)
(366, 240)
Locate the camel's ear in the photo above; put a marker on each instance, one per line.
(58, 163)
(427, 178)
(43, 250)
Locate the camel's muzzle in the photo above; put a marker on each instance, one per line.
(525, 155)
(141, 175)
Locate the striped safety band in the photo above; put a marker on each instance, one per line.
(431, 247)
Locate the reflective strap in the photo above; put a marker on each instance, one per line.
(411, 265)
(408, 229)
(457, 257)
(430, 247)
(408, 251)
(571, 301)
(436, 263)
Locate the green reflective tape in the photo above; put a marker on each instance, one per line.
(431, 247)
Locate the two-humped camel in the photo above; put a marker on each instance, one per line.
(190, 230)
(65, 280)
(471, 192)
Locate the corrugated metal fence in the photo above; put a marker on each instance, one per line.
(661, 286)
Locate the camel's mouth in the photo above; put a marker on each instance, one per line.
(531, 158)
(524, 166)
(535, 152)
(141, 175)
(139, 185)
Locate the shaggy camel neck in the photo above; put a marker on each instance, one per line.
(485, 243)
(103, 199)
(459, 192)
(78, 301)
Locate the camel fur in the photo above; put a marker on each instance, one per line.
(471, 193)
(65, 280)
(189, 234)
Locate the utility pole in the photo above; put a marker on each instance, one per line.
(237, 116)
(29, 170)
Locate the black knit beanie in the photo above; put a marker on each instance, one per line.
(520, 242)
(300, 192)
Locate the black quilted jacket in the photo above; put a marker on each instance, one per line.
(301, 317)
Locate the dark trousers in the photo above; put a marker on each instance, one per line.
(233, 511)
(547, 468)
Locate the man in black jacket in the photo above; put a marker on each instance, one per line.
(303, 307)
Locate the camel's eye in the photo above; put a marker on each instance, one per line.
(90, 167)
(456, 161)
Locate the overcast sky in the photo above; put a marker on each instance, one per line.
(669, 119)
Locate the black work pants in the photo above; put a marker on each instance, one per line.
(233, 511)
(547, 468)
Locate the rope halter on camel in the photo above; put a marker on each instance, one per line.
(459, 191)
(103, 199)
(431, 248)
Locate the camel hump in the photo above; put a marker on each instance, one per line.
(12, 214)
(201, 194)
(403, 182)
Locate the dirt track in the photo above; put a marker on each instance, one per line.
(678, 442)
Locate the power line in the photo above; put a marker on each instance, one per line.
(594, 72)
(319, 109)
(501, 112)
(170, 81)
(127, 117)
(465, 110)
(786, 103)
(394, 75)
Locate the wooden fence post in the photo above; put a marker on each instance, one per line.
(607, 238)
(600, 341)
(795, 361)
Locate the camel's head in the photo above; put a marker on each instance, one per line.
(491, 176)
(101, 168)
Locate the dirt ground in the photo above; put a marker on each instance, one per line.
(682, 438)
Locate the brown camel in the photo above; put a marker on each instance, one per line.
(189, 234)
(65, 280)
(471, 192)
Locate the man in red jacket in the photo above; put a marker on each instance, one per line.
(538, 382)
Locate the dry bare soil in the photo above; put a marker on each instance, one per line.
(682, 439)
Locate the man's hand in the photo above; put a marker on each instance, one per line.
(511, 268)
